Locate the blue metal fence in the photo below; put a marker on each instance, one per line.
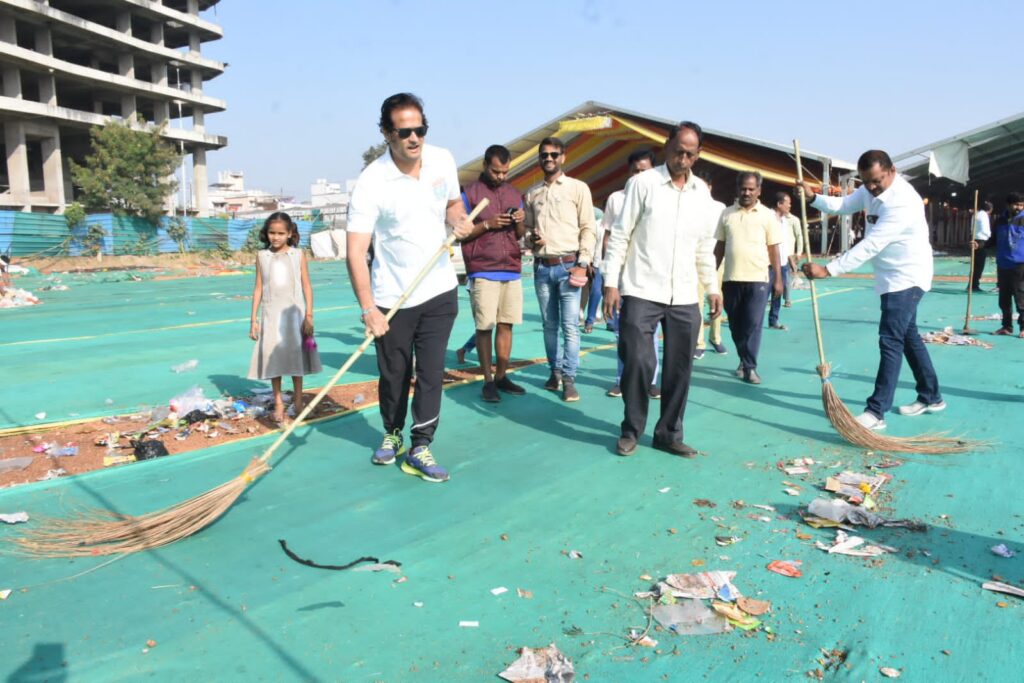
(31, 234)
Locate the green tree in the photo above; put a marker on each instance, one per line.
(129, 171)
(373, 152)
(177, 231)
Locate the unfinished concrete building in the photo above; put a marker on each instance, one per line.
(69, 65)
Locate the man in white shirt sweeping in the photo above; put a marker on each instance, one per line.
(401, 204)
(896, 241)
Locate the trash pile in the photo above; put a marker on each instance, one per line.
(16, 298)
(853, 506)
(540, 665)
(679, 606)
(950, 338)
(185, 414)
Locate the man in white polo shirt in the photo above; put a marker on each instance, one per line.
(401, 203)
(660, 248)
(896, 241)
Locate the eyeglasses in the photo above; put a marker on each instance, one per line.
(550, 155)
(404, 133)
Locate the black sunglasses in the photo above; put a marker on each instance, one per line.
(404, 133)
(550, 155)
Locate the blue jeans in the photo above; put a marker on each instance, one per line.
(559, 308)
(596, 291)
(776, 305)
(898, 338)
(745, 304)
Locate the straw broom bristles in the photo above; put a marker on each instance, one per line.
(103, 533)
(838, 414)
(100, 532)
(859, 435)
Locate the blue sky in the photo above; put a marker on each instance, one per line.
(306, 78)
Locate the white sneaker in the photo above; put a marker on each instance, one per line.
(871, 422)
(917, 407)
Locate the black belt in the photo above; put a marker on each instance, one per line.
(555, 260)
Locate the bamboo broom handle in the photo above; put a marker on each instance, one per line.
(369, 339)
(807, 248)
(970, 279)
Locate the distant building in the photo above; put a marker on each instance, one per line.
(69, 65)
(331, 201)
(228, 195)
(323, 193)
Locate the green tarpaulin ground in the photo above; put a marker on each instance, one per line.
(227, 604)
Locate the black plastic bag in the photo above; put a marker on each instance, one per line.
(149, 449)
(196, 416)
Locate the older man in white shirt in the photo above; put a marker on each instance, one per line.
(896, 242)
(660, 247)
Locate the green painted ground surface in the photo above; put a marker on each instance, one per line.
(228, 605)
(119, 340)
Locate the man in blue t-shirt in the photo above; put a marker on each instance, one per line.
(1009, 237)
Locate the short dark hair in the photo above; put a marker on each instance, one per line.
(402, 100)
(1014, 198)
(640, 155)
(686, 125)
(986, 206)
(280, 217)
(499, 151)
(780, 197)
(552, 141)
(743, 175)
(874, 156)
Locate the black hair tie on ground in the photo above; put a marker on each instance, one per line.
(311, 563)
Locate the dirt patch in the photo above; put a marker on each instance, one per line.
(188, 265)
(90, 437)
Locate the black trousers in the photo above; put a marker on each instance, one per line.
(681, 326)
(979, 264)
(744, 304)
(1011, 292)
(424, 329)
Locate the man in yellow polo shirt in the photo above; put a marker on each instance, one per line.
(747, 241)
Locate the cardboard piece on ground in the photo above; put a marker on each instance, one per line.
(540, 665)
(754, 607)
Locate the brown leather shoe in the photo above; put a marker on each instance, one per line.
(751, 377)
(625, 446)
(675, 448)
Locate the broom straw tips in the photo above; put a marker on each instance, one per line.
(101, 532)
(838, 414)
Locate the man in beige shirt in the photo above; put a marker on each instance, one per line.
(791, 244)
(560, 224)
(748, 238)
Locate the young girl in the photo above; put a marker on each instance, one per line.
(282, 286)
